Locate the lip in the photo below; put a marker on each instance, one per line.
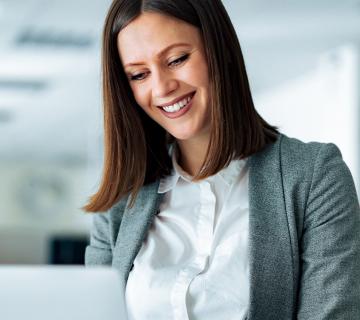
(176, 100)
(181, 112)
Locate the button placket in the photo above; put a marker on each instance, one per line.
(203, 247)
(206, 219)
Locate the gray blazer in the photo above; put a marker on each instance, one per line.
(304, 233)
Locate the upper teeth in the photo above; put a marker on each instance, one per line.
(177, 106)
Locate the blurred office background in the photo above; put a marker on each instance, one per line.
(302, 59)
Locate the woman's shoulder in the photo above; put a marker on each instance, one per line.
(299, 161)
(321, 164)
(148, 194)
(303, 150)
(297, 154)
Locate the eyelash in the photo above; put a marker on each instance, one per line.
(175, 63)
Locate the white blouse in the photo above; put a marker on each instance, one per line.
(193, 263)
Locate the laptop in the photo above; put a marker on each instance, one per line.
(60, 292)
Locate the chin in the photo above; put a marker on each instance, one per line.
(189, 134)
(182, 135)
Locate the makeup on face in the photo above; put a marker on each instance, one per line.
(168, 72)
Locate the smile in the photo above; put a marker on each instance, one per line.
(178, 108)
(178, 105)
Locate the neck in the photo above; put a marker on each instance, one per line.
(192, 154)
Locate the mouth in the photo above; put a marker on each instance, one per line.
(181, 103)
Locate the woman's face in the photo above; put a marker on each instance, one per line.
(165, 63)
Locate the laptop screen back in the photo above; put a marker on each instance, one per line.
(55, 293)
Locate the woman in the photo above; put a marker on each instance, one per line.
(208, 211)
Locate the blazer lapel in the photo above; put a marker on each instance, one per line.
(134, 227)
(270, 254)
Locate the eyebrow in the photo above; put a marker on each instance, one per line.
(162, 52)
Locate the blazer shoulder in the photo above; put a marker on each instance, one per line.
(297, 150)
(106, 224)
(300, 159)
(315, 166)
(122, 210)
(289, 155)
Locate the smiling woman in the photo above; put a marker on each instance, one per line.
(210, 212)
(142, 69)
(171, 83)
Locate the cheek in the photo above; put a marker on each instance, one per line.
(200, 70)
(202, 82)
(204, 75)
(196, 74)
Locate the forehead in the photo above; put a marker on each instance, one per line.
(149, 33)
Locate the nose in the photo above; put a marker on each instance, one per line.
(163, 83)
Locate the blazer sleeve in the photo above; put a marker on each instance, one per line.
(329, 287)
(99, 252)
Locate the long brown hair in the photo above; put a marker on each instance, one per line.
(136, 148)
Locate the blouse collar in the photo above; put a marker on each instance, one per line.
(227, 174)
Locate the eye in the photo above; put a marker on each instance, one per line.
(174, 63)
(179, 60)
(137, 77)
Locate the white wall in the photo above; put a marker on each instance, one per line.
(321, 105)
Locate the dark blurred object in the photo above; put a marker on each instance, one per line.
(67, 249)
